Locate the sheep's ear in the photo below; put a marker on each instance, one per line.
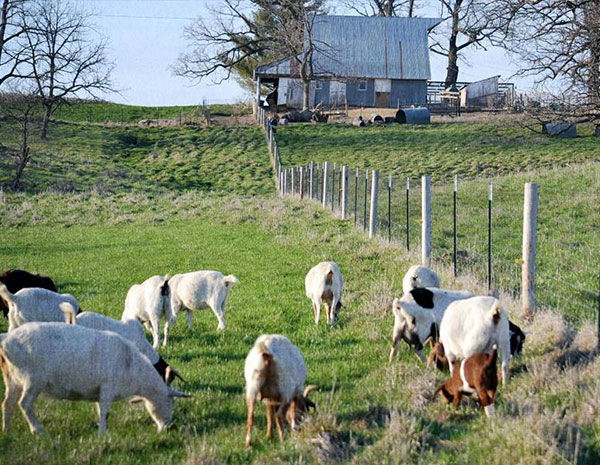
(175, 393)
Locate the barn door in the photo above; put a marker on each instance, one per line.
(383, 91)
(337, 94)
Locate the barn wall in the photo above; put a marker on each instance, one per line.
(408, 92)
(322, 95)
(365, 98)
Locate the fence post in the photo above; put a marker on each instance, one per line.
(426, 219)
(455, 191)
(285, 182)
(366, 187)
(356, 197)
(390, 209)
(293, 182)
(598, 344)
(407, 215)
(345, 192)
(301, 182)
(333, 188)
(326, 184)
(490, 195)
(374, 196)
(528, 271)
(311, 174)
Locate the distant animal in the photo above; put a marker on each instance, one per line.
(324, 284)
(476, 374)
(71, 362)
(275, 371)
(15, 280)
(475, 325)
(132, 331)
(147, 303)
(517, 339)
(37, 304)
(418, 314)
(200, 289)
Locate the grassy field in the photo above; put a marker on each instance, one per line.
(151, 159)
(440, 150)
(369, 411)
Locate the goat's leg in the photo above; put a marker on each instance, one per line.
(155, 324)
(270, 415)
(11, 396)
(166, 334)
(317, 310)
(190, 319)
(486, 401)
(279, 419)
(250, 402)
(103, 408)
(26, 403)
(395, 342)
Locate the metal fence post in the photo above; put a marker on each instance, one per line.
(490, 195)
(326, 198)
(374, 198)
(455, 191)
(390, 209)
(311, 183)
(293, 181)
(426, 218)
(407, 215)
(356, 180)
(301, 182)
(528, 271)
(345, 192)
(333, 188)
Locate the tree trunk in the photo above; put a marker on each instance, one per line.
(591, 18)
(24, 157)
(47, 115)
(452, 69)
(3, 20)
(411, 8)
(305, 94)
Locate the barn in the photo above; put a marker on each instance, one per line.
(359, 61)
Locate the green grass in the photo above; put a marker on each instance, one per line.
(149, 159)
(440, 150)
(369, 411)
(101, 112)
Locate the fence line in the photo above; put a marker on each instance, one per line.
(349, 193)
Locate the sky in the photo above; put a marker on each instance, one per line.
(146, 38)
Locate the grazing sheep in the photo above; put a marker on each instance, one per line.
(148, 303)
(70, 362)
(438, 357)
(324, 283)
(15, 280)
(37, 304)
(132, 331)
(419, 276)
(417, 316)
(477, 373)
(475, 325)
(275, 370)
(200, 289)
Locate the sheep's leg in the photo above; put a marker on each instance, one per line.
(190, 319)
(103, 408)
(317, 309)
(279, 419)
(12, 393)
(250, 420)
(26, 403)
(395, 342)
(270, 415)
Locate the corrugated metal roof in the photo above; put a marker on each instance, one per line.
(372, 47)
(365, 47)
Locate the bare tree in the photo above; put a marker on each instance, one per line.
(246, 33)
(19, 105)
(11, 28)
(383, 7)
(467, 23)
(559, 42)
(64, 57)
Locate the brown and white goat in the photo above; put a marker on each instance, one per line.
(477, 374)
(275, 372)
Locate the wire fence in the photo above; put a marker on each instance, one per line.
(476, 226)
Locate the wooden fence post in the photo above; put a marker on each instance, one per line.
(426, 220)
(345, 186)
(293, 182)
(311, 181)
(374, 195)
(528, 271)
(326, 193)
(301, 182)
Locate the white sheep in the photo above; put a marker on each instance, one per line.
(70, 362)
(200, 289)
(324, 283)
(418, 314)
(275, 370)
(133, 332)
(419, 276)
(148, 303)
(37, 304)
(475, 325)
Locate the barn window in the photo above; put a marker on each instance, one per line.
(362, 85)
(319, 85)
